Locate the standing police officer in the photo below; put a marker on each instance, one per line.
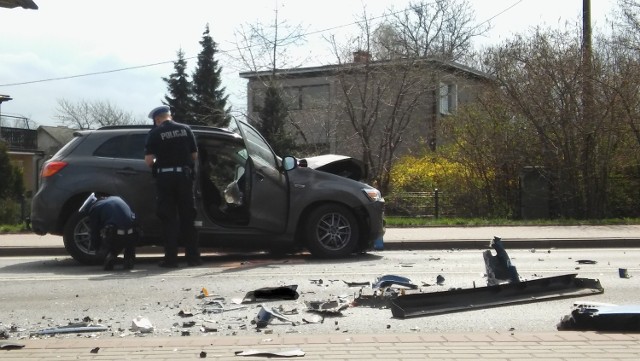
(171, 152)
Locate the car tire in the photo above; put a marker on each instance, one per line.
(331, 231)
(77, 240)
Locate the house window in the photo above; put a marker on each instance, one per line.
(291, 97)
(314, 96)
(448, 98)
(297, 97)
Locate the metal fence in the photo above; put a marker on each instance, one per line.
(18, 139)
(432, 204)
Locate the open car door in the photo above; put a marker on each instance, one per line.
(266, 189)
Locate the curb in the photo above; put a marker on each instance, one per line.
(444, 244)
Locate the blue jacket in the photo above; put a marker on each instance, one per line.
(110, 211)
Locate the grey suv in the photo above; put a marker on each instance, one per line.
(246, 196)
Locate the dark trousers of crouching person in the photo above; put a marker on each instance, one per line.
(115, 241)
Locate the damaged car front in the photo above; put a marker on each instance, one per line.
(335, 214)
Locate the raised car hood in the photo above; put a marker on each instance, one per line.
(338, 164)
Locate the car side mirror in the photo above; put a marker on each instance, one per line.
(289, 163)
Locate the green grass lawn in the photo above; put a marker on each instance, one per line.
(470, 222)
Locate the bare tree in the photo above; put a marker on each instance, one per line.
(90, 115)
(380, 101)
(542, 79)
(628, 24)
(439, 28)
(266, 47)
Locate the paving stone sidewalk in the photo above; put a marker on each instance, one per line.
(568, 345)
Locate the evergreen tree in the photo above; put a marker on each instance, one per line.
(273, 116)
(210, 103)
(179, 98)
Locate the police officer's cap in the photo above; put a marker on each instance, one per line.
(159, 110)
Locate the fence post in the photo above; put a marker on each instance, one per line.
(437, 202)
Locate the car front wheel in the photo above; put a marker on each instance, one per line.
(331, 231)
(77, 240)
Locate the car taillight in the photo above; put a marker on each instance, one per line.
(51, 168)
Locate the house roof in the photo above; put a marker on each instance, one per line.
(25, 4)
(61, 134)
(329, 69)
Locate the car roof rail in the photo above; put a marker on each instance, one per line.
(146, 126)
(128, 126)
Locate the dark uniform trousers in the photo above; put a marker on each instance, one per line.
(175, 194)
(114, 241)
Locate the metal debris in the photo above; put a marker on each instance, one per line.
(73, 328)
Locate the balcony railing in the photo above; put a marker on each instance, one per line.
(18, 139)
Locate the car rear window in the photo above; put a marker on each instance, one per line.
(127, 146)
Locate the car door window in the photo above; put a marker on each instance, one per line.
(257, 147)
(123, 146)
(112, 147)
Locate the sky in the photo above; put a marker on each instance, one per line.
(118, 51)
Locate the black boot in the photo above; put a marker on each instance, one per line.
(109, 261)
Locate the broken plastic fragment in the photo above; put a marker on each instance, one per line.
(141, 324)
(357, 284)
(213, 307)
(603, 317)
(623, 273)
(8, 345)
(331, 306)
(185, 313)
(269, 353)
(390, 280)
(272, 293)
(265, 315)
(586, 261)
(313, 319)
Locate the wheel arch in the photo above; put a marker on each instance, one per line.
(69, 208)
(359, 215)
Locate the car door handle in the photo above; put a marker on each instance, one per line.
(259, 176)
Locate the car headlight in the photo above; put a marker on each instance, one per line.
(373, 194)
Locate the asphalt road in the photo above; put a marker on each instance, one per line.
(43, 292)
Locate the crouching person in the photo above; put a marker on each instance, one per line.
(113, 228)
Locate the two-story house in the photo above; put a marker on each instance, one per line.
(399, 102)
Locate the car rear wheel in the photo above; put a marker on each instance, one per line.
(331, 231)
(77, 240)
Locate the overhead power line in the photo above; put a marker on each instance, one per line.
(227, 51)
